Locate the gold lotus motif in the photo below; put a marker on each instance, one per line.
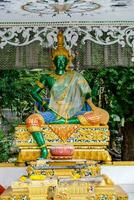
(63, 131)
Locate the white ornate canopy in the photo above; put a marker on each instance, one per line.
(104, 22)
(62, 11)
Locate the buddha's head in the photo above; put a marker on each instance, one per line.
(60, 63)
(61, 56)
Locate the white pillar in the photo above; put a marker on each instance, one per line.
(88, 54)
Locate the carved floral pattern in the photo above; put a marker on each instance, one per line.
(85, 135)
(100, 34)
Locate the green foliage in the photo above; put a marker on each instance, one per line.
(5, 144)
(113, 90)
(118, 90)
(15, 87)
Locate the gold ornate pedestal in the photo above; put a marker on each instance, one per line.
(64, 180)
(51, 189)
(90, 142)
(76, 179)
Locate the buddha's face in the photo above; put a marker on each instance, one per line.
(60, 62)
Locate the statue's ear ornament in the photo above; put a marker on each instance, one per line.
(61, 50)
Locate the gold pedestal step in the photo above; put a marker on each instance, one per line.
(89, 153)
(64, 180)
(74, 168)
(65, 189)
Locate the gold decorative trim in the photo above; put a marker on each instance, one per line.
(22, 126)
(41, 85)
(112, 164)
(11, 165)
(7, 165)
(44, 145)
(123, 163)
(82, 120)
(34, 129)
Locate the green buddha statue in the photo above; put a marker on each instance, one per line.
(69, 97)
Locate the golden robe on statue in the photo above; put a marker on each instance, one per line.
(68, 94)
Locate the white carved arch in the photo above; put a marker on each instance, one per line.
(100, 34)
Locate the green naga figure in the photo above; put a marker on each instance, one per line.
(68, 93)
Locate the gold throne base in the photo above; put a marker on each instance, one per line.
(90, 142)
(50, 189)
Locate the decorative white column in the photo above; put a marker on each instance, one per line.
(120, 57)
(106, 56)
(88, 54)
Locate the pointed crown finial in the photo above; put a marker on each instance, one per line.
(60, 50)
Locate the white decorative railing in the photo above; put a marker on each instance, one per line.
(21, 36)
(102, 35)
